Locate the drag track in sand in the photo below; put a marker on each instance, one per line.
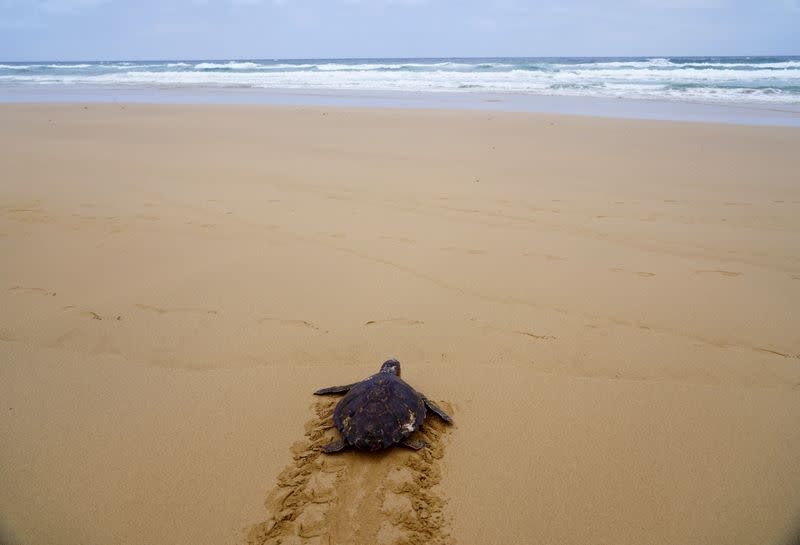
(385, 498)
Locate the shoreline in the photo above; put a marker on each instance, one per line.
(609, 108)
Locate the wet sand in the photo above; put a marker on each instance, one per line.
(608, 308)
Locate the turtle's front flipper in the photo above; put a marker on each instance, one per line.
(416, 444)
(335, 390)
(336, 446)
(433, 407)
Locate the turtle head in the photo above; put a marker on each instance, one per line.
(391, 366)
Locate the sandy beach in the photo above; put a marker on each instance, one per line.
(608, 308)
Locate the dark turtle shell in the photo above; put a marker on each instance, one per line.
(378, 412)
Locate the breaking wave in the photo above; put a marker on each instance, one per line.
(715, 79)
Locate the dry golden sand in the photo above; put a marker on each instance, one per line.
(610, 309)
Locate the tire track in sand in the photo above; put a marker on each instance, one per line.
(385, 498)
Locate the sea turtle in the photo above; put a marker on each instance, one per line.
(379, 411)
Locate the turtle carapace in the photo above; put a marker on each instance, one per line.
(380, 411)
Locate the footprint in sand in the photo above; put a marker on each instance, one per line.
(530, 334)
(300, 323)
(399, 321)
(641, 274)
(295, 323)
(93, 315)
(548, 257)
(385, 498)
(160, 310)
(778, 353)
(32, 291)
(17, 211)
(729, 274)
(535, 336)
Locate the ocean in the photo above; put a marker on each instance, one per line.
(717, 80)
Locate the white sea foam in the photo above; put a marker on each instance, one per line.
(137, 66)
(755, 66)
(228, 65)
(739, 80)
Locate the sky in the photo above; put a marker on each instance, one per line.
(264, 29)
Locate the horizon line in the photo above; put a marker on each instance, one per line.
(174, 59)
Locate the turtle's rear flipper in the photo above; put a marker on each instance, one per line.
(416, 444)
(336, 446)
(434, 408)
(335, 390)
